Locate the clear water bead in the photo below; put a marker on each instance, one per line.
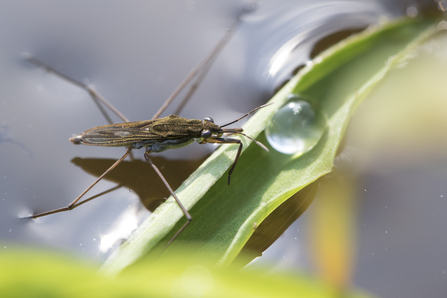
(297, 127)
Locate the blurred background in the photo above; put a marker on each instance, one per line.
(390, 180)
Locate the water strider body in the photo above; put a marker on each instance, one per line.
(162, 134)
(156, 135)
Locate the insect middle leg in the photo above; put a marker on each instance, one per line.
(75, 203)
(184, 210)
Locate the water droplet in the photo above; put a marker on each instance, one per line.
(297, 127)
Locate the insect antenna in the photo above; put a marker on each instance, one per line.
(251, 112)
(257, 143)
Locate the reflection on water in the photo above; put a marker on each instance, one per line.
(294, 33)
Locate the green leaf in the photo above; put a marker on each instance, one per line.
(27, 273)
(224, 217)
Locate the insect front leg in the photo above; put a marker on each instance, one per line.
(228, 141)
(184, 210)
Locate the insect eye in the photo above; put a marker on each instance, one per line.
(209, 119)
(206, 134)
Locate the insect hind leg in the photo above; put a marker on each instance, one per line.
(95, 95)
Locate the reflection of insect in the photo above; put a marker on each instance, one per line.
(156, 135)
